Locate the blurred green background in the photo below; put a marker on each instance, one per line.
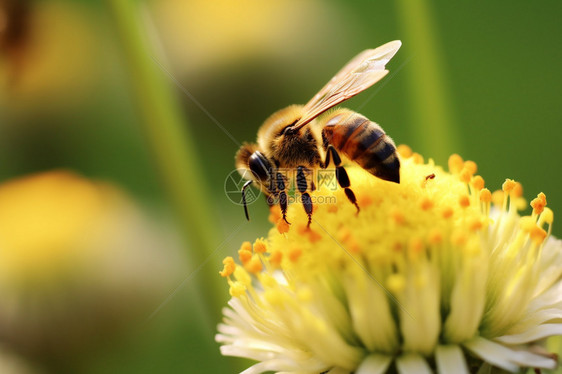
(481, 79)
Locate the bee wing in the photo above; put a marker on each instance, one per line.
(364, 70)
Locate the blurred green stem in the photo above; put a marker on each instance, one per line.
(173, 148)
(433, 124)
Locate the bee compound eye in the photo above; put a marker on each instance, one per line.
(259, 165)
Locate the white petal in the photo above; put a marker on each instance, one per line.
(468, 299)
(412, 364)
(507, 358)
(371, 314)
(532, 320)
(374, 364)
(528, 359)
(420, 318)
(284, 365)
(338, 371)
(551, 254)
(549, 298)
(533, 334)
(494, 353)
(450, 360)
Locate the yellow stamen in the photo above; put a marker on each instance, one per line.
(498, 197)
(485, 195)
(465, 175)
(275, 258)
(229, 266)
(294, 254)
(244, 255)
(254, 265)
(404, 151)
(478, 182)
(246, 246)
(426, 203)
(517, 190)
(464, 201)
(435, 236)
(475, 224)
(447, 212)
(274, 214)
(471, 167)
(508, 186)
(455, 164)
(539, 203)
(314, 236)
(237, 289)
(282, 226)
(537, 235)
(259, 246)
(397, 217)
(418, 159)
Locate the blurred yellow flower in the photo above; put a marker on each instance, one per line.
(78, 260)
(434, 274)
(46, 218)
(200, 35)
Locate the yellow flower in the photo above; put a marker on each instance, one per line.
(78, 260)
(434, 274)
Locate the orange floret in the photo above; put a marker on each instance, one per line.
(404, 151)
(274, 214)
(228, 268)
(259, 246)
(254, 265)
(418, 159)
(294, 254)
(275, 258)
(464, 201)
(478, 182)
(244, 255)
(465, 175)
(485, 195)
(508, 185)
(447, 212)
(538, 203)
(455, 163)
(471, 167)
(426, 203)
(282, 226)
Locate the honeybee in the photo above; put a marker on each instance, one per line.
(296, 138)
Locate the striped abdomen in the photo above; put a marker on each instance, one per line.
(364, 142)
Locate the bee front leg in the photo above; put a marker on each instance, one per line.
(341, 174)
(302, 186)
(283, 200)
(244, 198)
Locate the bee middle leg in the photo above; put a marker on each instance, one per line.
(341, 174)
(302, 186)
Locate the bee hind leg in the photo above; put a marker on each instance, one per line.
(302, 186)
(341, 175)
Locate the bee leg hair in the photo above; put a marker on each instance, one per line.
(341, 174)
(302, 186)
(283, 200)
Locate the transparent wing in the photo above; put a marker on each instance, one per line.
(364, 70)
